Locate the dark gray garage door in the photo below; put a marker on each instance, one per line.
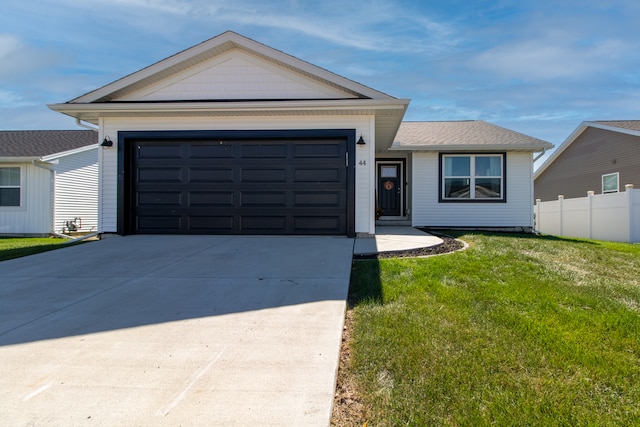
(239, 186)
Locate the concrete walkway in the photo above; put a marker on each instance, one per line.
(394, 238)
(174, 330)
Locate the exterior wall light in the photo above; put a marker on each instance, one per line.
(106, 142)
(361, 141)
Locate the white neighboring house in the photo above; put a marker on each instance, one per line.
(48, 182)
(234, 137)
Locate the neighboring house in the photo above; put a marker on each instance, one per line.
(599, 156)
(234, 137)
(48, 182)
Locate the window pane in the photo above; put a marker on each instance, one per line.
(610, 183)
(488, 188)
(456, 188)
(9, 176)
(457, 166)
(389, 172)
(488, 166)
(9, 197)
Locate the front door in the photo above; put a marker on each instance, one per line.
(390, 188)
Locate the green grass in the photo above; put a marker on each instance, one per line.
(18, 247)
(516, 330)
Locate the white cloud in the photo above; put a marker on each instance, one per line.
(18, 60)
(550, 58)
(8, 44)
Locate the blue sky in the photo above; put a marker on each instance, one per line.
(538, 67)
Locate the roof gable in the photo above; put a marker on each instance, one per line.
(235, 75)
(186, 68)
(630, 127)
(463, 136)
(42, 143)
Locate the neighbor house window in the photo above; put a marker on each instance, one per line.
(610, 183)
(9, 186)
(478, 177)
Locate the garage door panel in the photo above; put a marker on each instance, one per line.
(240, 187)
(217, 224)
(263, 199)
(315, 151)
(264, 151)
(211, 151)
(210, 175)
(155, 223)
(162, 151)
(320, 199)
(262, 223)
(213, 199)
(155, 198)
(157, 175)
(264, 175)
(333, 174)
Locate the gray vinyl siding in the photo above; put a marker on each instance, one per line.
(580, 167)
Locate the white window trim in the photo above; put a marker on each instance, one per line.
(20, 187)
(617, 175)
(472, 178)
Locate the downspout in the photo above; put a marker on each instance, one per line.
(82, 125)
(535, 159)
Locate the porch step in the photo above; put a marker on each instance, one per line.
(382, 222)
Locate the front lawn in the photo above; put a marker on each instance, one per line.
(18, 247)
(516, 330)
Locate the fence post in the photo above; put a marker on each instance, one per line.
(560, 202)
(590, 195)
(629, 190)
(536, 216)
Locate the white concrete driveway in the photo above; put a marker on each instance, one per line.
(174, 330)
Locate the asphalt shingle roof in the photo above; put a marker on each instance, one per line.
(460, 134)
(39, 143)
(623, 124)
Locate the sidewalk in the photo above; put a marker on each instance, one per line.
(394, 238)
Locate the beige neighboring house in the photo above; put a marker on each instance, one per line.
(599, 156)
(235, 137)
(48, 182)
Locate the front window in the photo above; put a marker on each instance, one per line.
(9, 186)
(610, 183)
(472, 177)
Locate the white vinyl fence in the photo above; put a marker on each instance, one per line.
(614, 217)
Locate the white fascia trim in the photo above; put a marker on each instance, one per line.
(18, 159)
(54, 156)
(469, 148)
(306, 105)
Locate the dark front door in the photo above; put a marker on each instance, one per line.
(390, 188)
(240, 186)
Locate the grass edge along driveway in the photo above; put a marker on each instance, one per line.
(16, 247)
(516, 330)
